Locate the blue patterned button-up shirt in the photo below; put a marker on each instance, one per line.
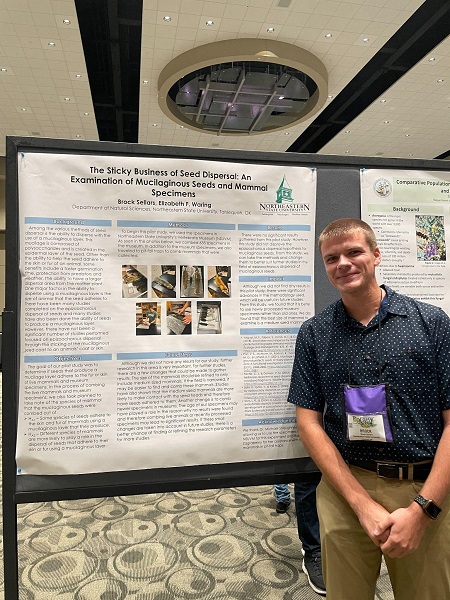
(409, 349)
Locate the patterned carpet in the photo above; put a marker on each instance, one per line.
(210, 545)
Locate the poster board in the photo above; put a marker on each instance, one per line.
(410, 214)
(104, 263)
(338, 194)
(171, 289)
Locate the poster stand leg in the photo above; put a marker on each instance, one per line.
(10, 556)
(9, 431)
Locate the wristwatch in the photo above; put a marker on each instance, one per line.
(431, 509)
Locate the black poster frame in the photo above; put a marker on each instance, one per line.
(338, 195)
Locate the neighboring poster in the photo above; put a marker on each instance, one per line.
(160, 301)
(410, 214)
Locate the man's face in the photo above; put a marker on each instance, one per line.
(349, 262)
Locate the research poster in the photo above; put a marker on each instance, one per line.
(410, 214)
(160, 301)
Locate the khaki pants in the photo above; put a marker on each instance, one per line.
(351, 561)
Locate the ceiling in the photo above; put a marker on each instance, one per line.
(89, 69)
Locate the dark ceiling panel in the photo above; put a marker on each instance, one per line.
(111, 32)
(422, 32)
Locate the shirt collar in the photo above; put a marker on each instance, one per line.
(395, 302)
(392, 303)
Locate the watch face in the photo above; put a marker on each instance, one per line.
(428, 506)
(432, 509)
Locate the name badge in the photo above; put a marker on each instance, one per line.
(367, 415)
(367, 428)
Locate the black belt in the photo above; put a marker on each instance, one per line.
(416, 471)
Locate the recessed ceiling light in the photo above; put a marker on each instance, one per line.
(280, 97)
(383, 101)
(347, 131)
(23, 109)
(4, 70)
(209, 23)
(440, 81)
(365, 40)
(167, 18)
(78, 135)
(66, 21)
(51, 44)
(145, 82)
(270, 29)
(431, 59)
(347, 152)
(287, 133)
(67, 99)
(330, 96)
(328, 35)
(386, 122)
(86, 114)
(78, 76)
(155, 124)
(407, 135)
(181, 126)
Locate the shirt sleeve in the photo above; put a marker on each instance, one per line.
(442, 341)
(305, 389)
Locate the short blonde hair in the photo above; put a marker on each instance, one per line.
(348, 225)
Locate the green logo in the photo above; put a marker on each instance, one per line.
(284, 192)
(364, 422)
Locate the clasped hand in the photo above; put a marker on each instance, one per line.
(398, 533)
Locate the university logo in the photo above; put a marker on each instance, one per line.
(284, 203)
(382, 187)
(284, 193)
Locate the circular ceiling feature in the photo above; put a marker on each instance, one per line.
(244, 86)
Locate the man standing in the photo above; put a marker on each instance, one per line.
(371, 381)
